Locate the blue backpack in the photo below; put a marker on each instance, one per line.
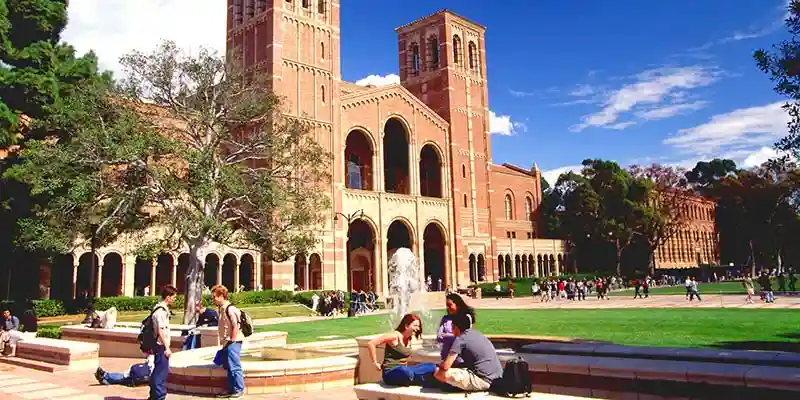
(140, 373)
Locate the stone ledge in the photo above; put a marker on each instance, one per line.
(376, 391)
(52, 355)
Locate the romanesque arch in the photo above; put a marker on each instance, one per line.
(396, 169)
(532, 271)
(210, 269)
(301, 272)
(228, 272)
(434, 245)
(481, 268)
(315, 272)
(473, 268)
(399, 235)
(183, 268)
(247, 271)
(430, 171)
(84, 281)
(500, 266)
(111, 284)
(358, 156)
(509, 267)
(361, 238)
(142, 272)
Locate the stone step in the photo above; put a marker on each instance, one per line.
(33, 364)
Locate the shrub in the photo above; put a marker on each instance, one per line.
(49, 331)
(43, 308)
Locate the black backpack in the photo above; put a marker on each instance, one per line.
(516, 379)
(147, 333)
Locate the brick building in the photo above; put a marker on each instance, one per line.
(697, 243)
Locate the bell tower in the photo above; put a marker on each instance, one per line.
(296, 43)
(442, 62)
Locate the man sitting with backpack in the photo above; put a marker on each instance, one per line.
(481, 366)
(138, 374)
(234, 326)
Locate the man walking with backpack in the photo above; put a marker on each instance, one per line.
(231, 335)
(161, 351)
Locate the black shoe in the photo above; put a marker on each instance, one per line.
(99, 374)
(223, 396)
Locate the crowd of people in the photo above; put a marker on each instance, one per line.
(332, 303)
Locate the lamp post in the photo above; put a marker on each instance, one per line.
(349, 218)
(93, 227)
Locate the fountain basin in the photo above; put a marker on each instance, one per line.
(270, 368)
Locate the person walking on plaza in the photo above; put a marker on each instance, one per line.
(646, 287)
(766, 288)
(161, 352)
(693, 290)
(748, 285)
(637, 287)
(792, 281)
(688, 286)
(230, 334)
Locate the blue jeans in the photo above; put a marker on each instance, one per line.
(116, 378)
(408, 375)
(192, 341)
(233, 364)
(158, 379)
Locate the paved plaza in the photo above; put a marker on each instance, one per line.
(22, 383)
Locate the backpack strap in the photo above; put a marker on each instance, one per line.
(238, 320)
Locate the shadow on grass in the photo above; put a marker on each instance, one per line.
(792, 344)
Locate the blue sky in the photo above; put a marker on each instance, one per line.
(633, 81)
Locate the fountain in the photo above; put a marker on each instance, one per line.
(406, 280)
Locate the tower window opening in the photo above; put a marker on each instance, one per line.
(456, 49)
(306, 3)
(415, 59)
(322, 93)
(433, 49)
(473, 56)
(321, 6)
(322, 50)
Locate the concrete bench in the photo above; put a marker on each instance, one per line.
(116, 342)
(765, 358)
(376, 391)
(56, 354)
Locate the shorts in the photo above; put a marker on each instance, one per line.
(466, 380)
(750, 291)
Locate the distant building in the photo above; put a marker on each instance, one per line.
(697, 243)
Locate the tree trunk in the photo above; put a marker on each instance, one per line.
(752, 259)
(194, 284)
(651, 268)
(619, 258)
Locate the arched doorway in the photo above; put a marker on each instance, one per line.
(540, 261)
(61, 278)
(183, 269)
(210, 270)
(397, 236)
(112, 275)
(473, 268)
(434, 244)
(228, 272)
(532, 266)
(481, 268)
(430, 172)
(500, 267)
(395, 157)
(361, 256)
(142, 272)
(517, 266)
(358, 153)
(247, 271)
(164, 267)
(83, 283)
(315, 274)
(552, 264)
(509, 270)
(300, 271)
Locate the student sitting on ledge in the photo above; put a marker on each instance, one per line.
(481, 366)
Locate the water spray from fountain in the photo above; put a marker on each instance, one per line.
(405, 280)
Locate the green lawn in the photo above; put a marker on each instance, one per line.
(256, 311)
(729, 328)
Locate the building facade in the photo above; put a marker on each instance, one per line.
(697, 243)
(411, 167)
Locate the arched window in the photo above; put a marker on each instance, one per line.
(415, 60)
(509, 205)
(306, 3)
(433, 50)
(528, 208)
(322, 93)
(322, 50)
(473, 56)
(463, 171)
(456, 49)
(321, 6)
(466, 204)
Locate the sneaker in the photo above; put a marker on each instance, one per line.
(236, 395)
(99, 374)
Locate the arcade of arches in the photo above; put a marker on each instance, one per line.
(360, 158)
(68, 280)
(362, 261)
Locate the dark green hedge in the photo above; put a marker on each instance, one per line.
(47, 331)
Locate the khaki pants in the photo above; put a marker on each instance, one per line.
(466, 380)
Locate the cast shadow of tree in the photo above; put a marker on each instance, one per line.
(791, 344)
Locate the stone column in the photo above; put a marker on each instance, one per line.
(236, 281)
(219, 273)
(153, 271)
(173, 276)
(98, 283)
(74, 280)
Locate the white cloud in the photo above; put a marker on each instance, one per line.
(113, 28)
(670, 110)
(759, 157)
(379, 80)
(652, 87)
(583, 91)
(551, 176)
(517, 93)
(503, 125)
(621, 125)
(741, 129)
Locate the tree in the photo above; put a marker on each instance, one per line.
(37, 72)
(665, 212)
(196, 148)
(783, 67)
(706, 174)
(544, 184)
